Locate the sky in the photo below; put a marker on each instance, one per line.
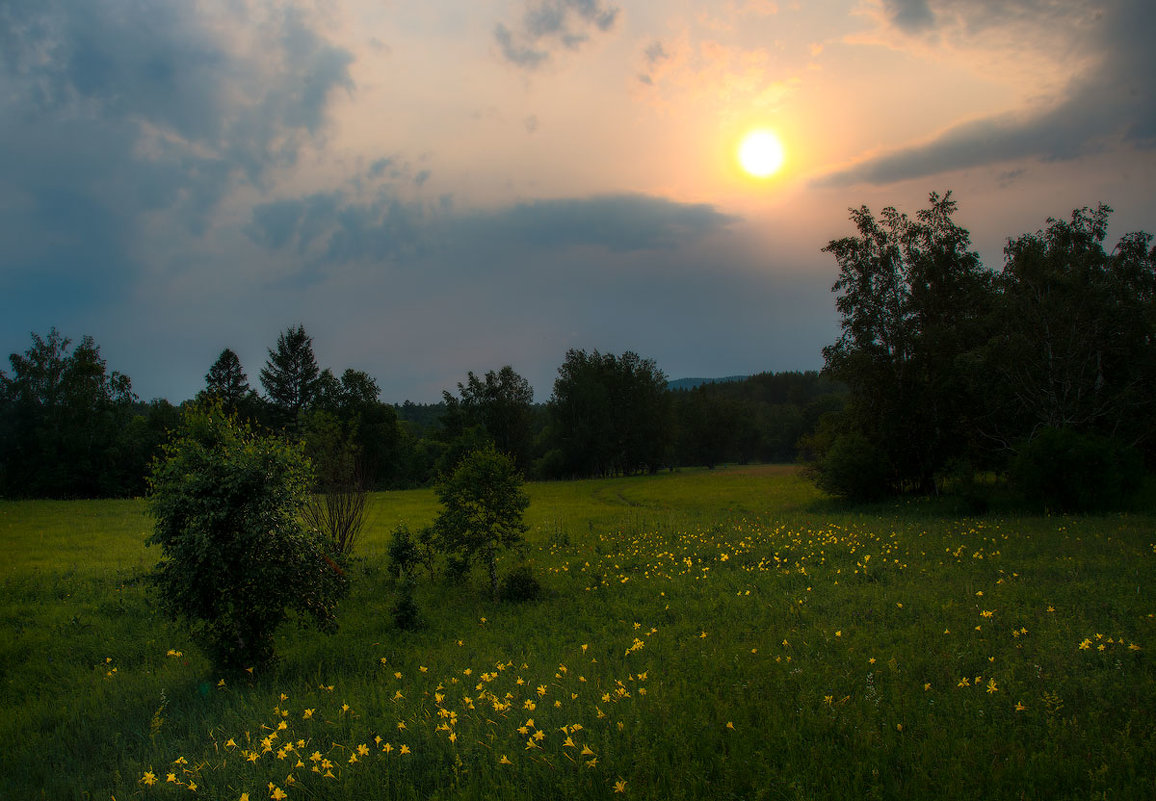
(441, 187)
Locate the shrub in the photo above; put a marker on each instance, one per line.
(406, 615)
(520, 585)
(406, 552)
(1066, 471)
(235, 558)
(853, 468)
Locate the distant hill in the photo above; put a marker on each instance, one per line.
(691, 383)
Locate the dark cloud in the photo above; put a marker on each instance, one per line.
(113, 113)
(910, 15)
(336, 229)
(546, 24)
(614, 223)
(655, 53)
(1113, 101)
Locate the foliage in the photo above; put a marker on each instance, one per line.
(368, 426)
(235, 559)
(337, 505)
(912, 298)
(227, 383)
(405, 612)
(520, 586)
(501, 404)
(853, 468)
(62, 420)
(1075, 340)
(950, 365)
(1063, 470)
(291, 376)
(407, 552)
(759, 418)
(483, 505)
(610, 414)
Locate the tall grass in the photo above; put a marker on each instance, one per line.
(725, 634)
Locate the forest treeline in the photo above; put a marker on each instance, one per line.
(946, 374)
(71, 428)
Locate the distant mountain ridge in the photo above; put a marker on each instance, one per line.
(691, 383)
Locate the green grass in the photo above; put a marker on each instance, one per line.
(712, 634)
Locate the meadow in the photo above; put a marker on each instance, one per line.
(726, 634)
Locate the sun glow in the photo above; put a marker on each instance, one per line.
(761, 154)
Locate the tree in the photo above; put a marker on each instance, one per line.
(370, 426)
(340, 497)
(500, 404)
(290, 375)
(1074, 345)
(235, 558)
(226, 381)
(483, 505)
(63, 419)
(913, 297)
(609, 415)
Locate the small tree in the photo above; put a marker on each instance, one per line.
(235, 559)
(337, 508)
(484, 504)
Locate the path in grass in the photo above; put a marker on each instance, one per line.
(719, 634)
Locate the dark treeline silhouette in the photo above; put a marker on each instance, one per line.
(1044, 372)
(71, 429)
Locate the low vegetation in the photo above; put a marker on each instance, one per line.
(724, 634)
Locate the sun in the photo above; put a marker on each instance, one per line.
(761, 154)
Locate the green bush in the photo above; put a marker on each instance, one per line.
(520, 585)
(406, 552)
(235, 558)
(406, 615)
(1067, 471)
(853, 468)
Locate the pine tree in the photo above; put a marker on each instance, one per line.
(290, 375)
(226, 381)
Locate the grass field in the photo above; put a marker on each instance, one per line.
(722, 635)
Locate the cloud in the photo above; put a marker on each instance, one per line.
(547, 24)
(112, 114)
(1113, 101)
(338, 227)
(910, 15)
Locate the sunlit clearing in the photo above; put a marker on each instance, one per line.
(761, 154)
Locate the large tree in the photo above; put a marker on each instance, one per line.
(609, 415)
(290, 375)
(1075, 339)
(62, 419)
(501, 404)
(913, 299)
